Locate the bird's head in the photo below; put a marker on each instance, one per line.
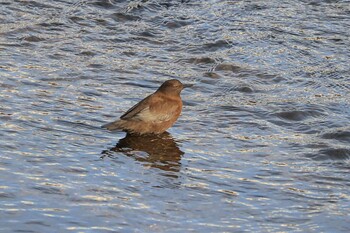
(171, 87)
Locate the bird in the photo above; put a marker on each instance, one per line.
(154, 114)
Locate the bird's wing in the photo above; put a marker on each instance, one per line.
(136, 109)
(151, 109)
(152, 115)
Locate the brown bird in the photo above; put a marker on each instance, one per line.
(154, 114)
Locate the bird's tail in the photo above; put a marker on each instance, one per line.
(115, 125)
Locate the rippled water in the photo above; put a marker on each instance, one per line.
(262, 144)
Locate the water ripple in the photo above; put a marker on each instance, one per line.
(264, 124)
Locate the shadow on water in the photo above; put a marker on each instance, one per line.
(336, 154)
(157, 151)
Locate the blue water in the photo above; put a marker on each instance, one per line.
(262, 144)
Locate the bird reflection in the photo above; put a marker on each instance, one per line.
(161, 150)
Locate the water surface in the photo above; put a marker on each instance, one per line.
(262, 144)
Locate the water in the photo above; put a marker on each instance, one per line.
(262, 144)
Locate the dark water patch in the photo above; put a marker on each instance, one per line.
(104, 190)
(173, 24)
(50, 190)
(40, 223)
(4, 195)
(303, 119)
(76, 19)
(104, 4)
(92, 93)
(200, 60)
(293, 112)
(5, 3)
(298, 128)
(56, 56)
(148, 40)
(96, 66)
(215, 46)
(129, 53)
(118, 40)
(231, 108)
(245, 89)
(124, 17)
(328, 179)
(270, 77)
(161, 5)
(255, 7)
(25, 231)
(87, 53)
(148, 33)
(33, 39)
(317, 145)
(295, 115)
(54, 26)
(332, 153)
(212, 75)
(124, 71)
(37, 5)
(143, 84)
(75, 170)
(336, 40)
(227, 67)
(340, 135)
